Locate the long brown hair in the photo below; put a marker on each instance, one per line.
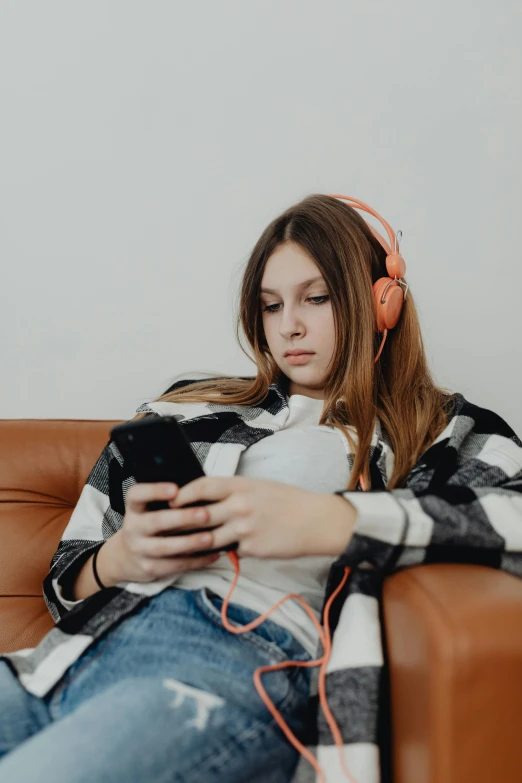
(398, 388)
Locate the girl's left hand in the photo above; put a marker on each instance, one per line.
(268, 519)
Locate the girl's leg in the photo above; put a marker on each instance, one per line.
(168, 695)
(159, 730)
(21, 713)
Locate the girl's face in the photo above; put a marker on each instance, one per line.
(299, 316)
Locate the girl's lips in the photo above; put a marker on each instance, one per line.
(301, 358)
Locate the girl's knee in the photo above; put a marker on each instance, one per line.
(22, 714)
(13, 695)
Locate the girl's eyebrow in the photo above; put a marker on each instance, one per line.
(299, 286)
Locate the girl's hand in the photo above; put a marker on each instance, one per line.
(139, 554)
(268, 519)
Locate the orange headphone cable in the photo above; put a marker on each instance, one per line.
(322, 662)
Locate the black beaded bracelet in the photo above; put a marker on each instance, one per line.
(95, 572)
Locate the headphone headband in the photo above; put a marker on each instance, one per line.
(394, 242)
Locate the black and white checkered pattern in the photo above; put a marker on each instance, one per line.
(462, 503)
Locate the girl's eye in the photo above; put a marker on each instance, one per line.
(269, 308)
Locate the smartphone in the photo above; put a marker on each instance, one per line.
(157, 449)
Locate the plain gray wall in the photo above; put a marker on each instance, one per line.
(146, 145)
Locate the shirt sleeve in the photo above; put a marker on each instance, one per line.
(97, 515)
(466, 507)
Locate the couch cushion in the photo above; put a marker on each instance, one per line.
(44, 464)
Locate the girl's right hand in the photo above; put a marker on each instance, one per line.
(144, 556)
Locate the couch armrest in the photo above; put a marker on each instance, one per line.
(454, 644)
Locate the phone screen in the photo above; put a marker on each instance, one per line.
(158, 450)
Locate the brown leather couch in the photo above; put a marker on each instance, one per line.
(453, 632)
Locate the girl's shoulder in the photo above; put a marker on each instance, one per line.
(485, 421)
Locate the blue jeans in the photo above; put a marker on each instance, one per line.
(166, 695)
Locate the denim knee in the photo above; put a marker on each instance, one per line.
(22, 713)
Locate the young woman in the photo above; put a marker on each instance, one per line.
(149, 674)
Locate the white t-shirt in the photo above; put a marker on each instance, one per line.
(304, 454)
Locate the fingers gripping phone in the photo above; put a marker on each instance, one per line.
(158, 450)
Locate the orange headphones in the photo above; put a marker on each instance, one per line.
(388, 305)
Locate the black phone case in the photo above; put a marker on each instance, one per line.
(157, 450)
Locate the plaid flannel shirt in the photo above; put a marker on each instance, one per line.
(462, 503)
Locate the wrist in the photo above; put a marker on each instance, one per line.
(95, 573)
(333, 526)
(108, 562)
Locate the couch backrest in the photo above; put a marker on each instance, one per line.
(44, 464)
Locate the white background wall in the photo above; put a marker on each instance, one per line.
(144, 146)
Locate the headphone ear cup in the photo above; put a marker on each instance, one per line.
(387, 314)
(395, 266)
